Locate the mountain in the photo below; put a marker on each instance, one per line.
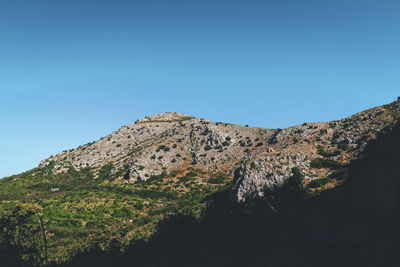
(116, 191)
(256, 157)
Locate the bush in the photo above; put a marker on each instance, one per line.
(207, 147)
(341, 173)
(164, 148)
(105, 171)
(191, 174)
(318, 182)
(343, 146)
(155, 178)
(326, 163)
(139, 204)
(297, 177)
(124, 212)
(218, 179)
(324, 153)
(185, 179)
(225, 143)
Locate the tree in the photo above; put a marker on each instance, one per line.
(19, 239)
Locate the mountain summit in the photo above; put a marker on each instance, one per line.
(256, 158)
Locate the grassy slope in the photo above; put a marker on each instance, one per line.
(81, 212)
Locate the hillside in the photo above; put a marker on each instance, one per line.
(115, 191)
(172, 142)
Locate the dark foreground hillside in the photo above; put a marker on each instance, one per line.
(355, 224)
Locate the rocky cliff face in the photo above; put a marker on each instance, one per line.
(256, 158)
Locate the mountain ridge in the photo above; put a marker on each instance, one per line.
(171, 141)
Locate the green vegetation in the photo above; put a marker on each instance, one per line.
(163, 148)
(326, 163)
(80, 212)
(218, 179)
(318, 182)
(207, 147)
(225, 143)
(340, 173)
(324, 153)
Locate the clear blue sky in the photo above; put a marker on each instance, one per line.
(74, 71)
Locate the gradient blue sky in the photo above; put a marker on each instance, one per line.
(74, 71)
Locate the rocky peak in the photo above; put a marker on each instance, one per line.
(165, 117)
(256, 158)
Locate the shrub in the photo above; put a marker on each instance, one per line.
(164, 148)
(341, 173)
(154, 179)
(207, 147)
(186, 178)
(293, 186)
(325, 153)
(105, 171)
(326, 163)
(225, 143)
(318, 182)
(218, 179)
(139, 204)
(337, 134)
(191, 174)
(343, 146)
